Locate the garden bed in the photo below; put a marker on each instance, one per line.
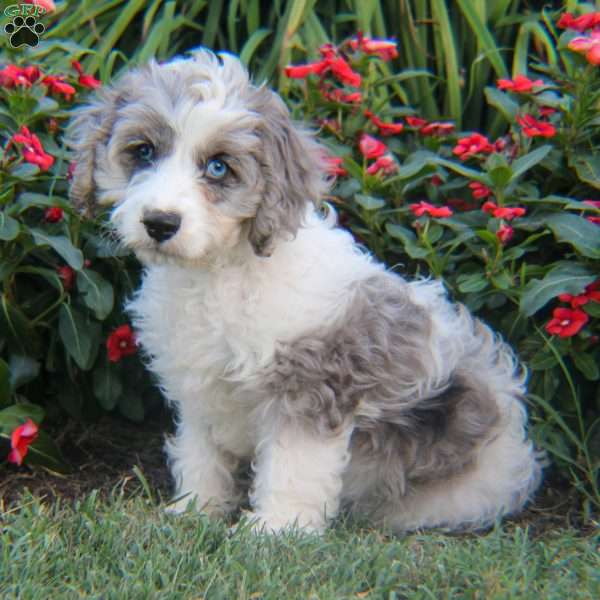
(115, 456)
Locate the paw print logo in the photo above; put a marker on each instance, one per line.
(24, 32)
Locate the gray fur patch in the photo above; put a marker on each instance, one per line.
(377, 363)
(292, 168)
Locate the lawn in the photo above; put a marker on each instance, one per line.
(101, 531)
(128, 547)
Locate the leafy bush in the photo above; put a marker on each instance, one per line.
(510, 224)
(62, 279)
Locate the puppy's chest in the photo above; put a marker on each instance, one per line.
(198, 331)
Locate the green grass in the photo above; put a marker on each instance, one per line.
(129, 548)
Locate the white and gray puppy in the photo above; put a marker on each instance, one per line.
(279, 343)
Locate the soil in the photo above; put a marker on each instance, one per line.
(105, 456)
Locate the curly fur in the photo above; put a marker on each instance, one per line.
(277, 340)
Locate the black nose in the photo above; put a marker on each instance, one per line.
(161, 225)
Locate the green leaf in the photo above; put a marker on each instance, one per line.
(23, 369)
(347, 188)
(14, 325)
(565, 278)
(592, 309)
(503, 102)
(73, 328)
(414, 164)
(577, 231)
(462, 170)
(9, 228)
(252, 44)
(16, 414)
(475, 282)
(97, 293)
(586, 364)
(61, 245)
(588, 168)
(408, 239)
(523, 164)
(31, 199)
(107, 387)
(500, 176)
(542, 360)
(369, 202)
(25, 171)
(4, 383)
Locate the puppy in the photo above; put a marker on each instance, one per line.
(279, 342)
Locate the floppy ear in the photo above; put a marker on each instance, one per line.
(292, 165)
(88, 133)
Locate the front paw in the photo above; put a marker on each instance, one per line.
(191, 502)
(274, 524)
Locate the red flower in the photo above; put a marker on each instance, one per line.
(575, 301)
(121, 342)
(333, 62)
(478, 190)
(436, 180)
(595, 220)
(338, 95)
(588, 45)
(56, 85)
(546, 111)
(586, 21)
(385, 129)
(435, 211)
(48, 5)
(503, 212)
(593, 287)
(385, 163)
(566, 322)
(20, 440)
(33, 152)
(343, 72)
(67, 275)
(12, 76)
(534, 128)
(85, 80)
(385, 49)
(54, 214)
(590, 294)
(520, 84)
(371, 147)
(333, 166)
(437, 128)
(303, 71)
(416, 122)
(505, 234)
(471, 145)
(500, 144)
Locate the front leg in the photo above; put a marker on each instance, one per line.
(298, 477)
(203, 472)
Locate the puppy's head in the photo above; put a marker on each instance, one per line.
(194, 159)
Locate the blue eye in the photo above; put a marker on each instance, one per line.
(145, 153)
(216, 168)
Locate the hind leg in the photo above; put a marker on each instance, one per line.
(501, 480)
